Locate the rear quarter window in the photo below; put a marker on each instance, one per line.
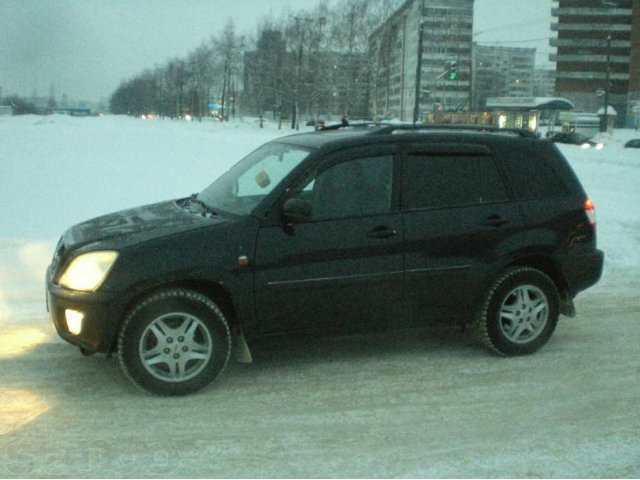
(535, 171)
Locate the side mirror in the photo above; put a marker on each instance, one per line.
(296, 210)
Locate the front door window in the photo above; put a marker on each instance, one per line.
(352, 188)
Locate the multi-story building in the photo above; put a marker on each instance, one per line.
(594, 53)
(502, 72)
(544, 82)
(422, 59)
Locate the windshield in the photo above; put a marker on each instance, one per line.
(242, 187)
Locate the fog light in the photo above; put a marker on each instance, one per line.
(74, 321)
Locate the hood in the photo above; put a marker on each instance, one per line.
(135, 225)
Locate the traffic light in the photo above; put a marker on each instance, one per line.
(453, 70)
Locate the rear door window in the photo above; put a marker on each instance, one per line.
(443, 180)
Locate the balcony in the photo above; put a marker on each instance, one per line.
(589, 27)
(591, 76)
(587, 58)
(588, 42)
(591, 12)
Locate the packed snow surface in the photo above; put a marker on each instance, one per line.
(430, 403)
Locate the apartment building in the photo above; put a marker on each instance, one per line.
(422, 60)
(502, 72)
(594, 54)
(544, 82)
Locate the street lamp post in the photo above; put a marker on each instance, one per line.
(611, 4)
(295, 121)
(608, 84)
(416, 106)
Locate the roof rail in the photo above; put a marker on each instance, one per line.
(339, 126)
(408, 127)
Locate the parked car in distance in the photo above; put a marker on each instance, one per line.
(574, 138)
(634, 143)
(364, 228)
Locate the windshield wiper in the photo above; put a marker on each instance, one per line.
(194, 199)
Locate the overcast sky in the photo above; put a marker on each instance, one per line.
(85, 48)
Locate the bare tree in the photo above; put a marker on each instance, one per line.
(201, 65)
(313, 63)
(176, 76)
(228, 46)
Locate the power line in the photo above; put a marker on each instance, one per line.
(510, 26)
(517, 41)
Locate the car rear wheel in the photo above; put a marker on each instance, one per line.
(174, 342)
(519, 313)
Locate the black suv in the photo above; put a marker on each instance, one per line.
(338, 231)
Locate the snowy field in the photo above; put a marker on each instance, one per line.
(425, 404)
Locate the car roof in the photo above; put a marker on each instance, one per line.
(405, 133)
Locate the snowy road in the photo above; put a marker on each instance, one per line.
(426, 405)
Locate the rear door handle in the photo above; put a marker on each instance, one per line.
(495, 221)
(382, 232)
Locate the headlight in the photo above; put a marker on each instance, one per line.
(87, 271)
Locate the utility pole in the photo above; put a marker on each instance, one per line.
(317, 71)
(608, 84)
(416, 106)
(295, 121)
(610, 4)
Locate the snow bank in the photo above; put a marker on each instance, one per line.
(58, 170)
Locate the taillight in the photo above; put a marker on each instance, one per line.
(590, 210)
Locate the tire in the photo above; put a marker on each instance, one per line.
(519, 313)
(174, 342)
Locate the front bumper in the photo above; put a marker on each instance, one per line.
(102, 315)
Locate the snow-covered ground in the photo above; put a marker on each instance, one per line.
(431, 404)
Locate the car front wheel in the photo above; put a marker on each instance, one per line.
(174, 342)
(519, 313)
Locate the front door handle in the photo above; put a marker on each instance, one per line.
(382, 232)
